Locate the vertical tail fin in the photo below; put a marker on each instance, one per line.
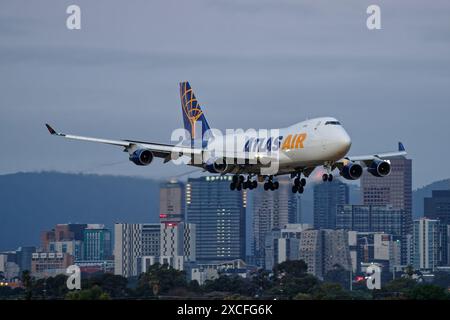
(192, 112)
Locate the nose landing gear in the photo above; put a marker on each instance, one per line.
(328, 176)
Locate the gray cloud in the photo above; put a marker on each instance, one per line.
(252, 64)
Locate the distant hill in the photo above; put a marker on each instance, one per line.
(32, 202)
(421, 193)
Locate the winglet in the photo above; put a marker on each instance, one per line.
(50, 129)
(401, 147)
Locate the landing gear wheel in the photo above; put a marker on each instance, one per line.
(297, 182)
(254, 184)
(241, 179)
(239, 187)
(330, 177)
(301, 189)
(303, 182)
(276, 185)
(294, 189)
(235, 179)
(266, 186)
(232, 186)
(325, 177)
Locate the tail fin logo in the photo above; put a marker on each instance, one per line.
(191, 109)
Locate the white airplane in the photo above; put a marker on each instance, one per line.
(296, 150)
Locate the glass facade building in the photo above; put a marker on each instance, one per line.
(219, 216)
(327, 196)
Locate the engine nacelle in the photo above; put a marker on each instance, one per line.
(379, 168)
(352, 171)
(216, 166)
(141, 157)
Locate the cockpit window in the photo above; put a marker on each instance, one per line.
(332, 123)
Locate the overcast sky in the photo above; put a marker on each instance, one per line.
(252, 64)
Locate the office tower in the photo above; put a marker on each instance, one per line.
(24, 257)
(445, 244)
(178, 241)
(373, 247)
(72, 247)
(131, 242)
(394, 190)
(365, 218)
(219, 217)
(8, 265)
(327, 196)
(323, 249)
(427, 244)
(272, 210)
(171, 202)
(283, 244)
(97, 243)
(438, 206)
(62, 232)
(50, 264)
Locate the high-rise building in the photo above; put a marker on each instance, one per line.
(178, 241)
(427, 252)
(63, 232)
(394, 190)
(283, 244)
(72, 247)
(373, 247)
(219, 216)
(367, 218)
(323, 249)
(327, 196)
(24, 257)
(171, 202)
(272, 210)
(438, 206)
(177, 247)
(131, 242)
(97, 243)
(50, 264)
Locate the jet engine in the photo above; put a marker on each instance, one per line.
(379, 168)
(216, 166)
(141, 157)
(352, 171)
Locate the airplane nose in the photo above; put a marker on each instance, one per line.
(345, 141)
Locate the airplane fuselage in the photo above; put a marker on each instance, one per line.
(308, 143)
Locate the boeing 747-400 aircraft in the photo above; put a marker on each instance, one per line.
(296, 150)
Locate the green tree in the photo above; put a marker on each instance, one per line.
(427, 292)
(94, 293)
(160, 279)
(114, 285)
(27, 282)
(338, 275)
(292, 268)
(330, 291)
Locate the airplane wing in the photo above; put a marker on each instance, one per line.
(367, 159)
(159, 150)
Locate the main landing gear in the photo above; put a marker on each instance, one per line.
(271, 185)
(239, 182)
(299, 184)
